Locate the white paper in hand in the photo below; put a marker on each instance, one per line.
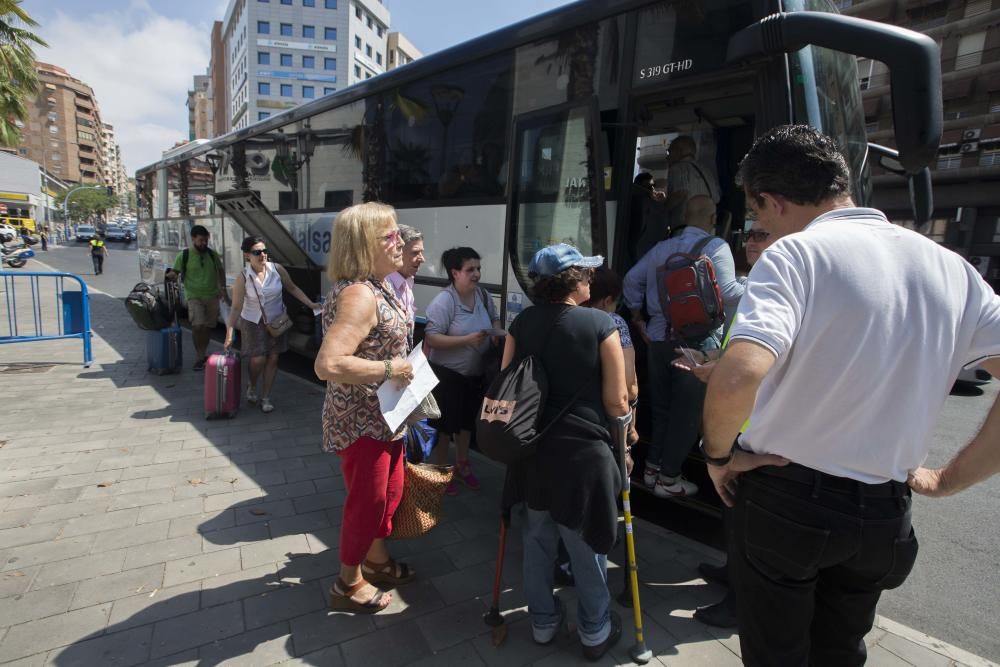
(398, 403)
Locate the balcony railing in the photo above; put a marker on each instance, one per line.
(949, 161)
(959, 63)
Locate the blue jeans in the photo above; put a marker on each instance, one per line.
(677, 397)
(590, 570)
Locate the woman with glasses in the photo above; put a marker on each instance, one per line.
(457, 340)
(365, 339)
(257, 300)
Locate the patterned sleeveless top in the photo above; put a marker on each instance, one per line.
(351, 411)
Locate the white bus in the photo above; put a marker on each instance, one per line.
(533, 134)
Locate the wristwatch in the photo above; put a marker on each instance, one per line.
(717, 460)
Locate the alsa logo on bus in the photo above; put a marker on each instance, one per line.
(314, 241)
(665, 68)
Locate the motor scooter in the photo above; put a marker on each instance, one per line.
(15, 256)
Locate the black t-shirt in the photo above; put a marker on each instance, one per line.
(570, 353)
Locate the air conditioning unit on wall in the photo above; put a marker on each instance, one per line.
(971, 135)
(970, 147)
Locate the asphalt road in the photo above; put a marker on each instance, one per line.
(954, 591)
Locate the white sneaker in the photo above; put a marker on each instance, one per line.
(649, 475)
(266, 405)
(251, 395)
(668, 487)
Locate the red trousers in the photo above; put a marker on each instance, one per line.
(373, 474)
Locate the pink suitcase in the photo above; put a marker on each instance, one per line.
(222, 386)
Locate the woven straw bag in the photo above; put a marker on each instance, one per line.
(420, 508)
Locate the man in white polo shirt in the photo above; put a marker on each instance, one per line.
(846, 343)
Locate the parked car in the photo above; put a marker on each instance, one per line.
(7, 233)
(85, 232)
(115, 233)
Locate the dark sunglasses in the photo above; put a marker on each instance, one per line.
(758, 236)
(258, 253)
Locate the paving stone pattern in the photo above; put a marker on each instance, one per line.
(133, 531)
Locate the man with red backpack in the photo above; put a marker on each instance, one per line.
(688, 285)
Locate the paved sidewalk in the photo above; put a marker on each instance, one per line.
(133, 531)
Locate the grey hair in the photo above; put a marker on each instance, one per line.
(410, 233)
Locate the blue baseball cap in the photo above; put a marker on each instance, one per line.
(554, 259)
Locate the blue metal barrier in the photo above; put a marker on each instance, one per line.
(68, 317)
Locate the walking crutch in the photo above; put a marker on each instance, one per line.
(493, 617)
(619, 430)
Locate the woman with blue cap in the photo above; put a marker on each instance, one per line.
(570, 486)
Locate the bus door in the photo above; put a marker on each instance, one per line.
(556, 195)
(688, 142)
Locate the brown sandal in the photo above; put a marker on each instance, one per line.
(341, 599)
(377, 574)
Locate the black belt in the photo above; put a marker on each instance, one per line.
(826, 482)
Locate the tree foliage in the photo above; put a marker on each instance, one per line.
(18, 78)
(85, 204)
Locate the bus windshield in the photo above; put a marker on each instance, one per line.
(826, 95)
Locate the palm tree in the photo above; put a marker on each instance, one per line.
(18, 78)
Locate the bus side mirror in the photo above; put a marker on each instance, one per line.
(913, 59)
(887, 158)
(921, 196)
(921, 191)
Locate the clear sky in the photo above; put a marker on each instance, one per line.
(140, 55)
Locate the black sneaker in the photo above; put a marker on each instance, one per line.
(717, 573)
(199, 365)
(595, 653)
(720, 615)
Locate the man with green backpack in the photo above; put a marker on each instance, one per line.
(204, 278)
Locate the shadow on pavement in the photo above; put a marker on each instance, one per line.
(269, 527)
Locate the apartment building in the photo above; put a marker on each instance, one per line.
(217, 90)
(400, 51)
(281, 53)
(967, 173)
(113, 167)
(115, 174)
(199, 108)
(64, 132)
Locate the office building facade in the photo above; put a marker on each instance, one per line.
(282, 53)
(399, 51)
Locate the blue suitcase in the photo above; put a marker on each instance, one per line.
(163, 351)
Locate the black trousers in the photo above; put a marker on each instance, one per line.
(809, 556)
(98, 263)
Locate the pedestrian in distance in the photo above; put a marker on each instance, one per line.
(258, 298)
(676, 396)
(98, 252)
(44, 235)
(457, 339)
(402, 281)
(571, 484)
(201, 272)
(364, 345)
(844, 311)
